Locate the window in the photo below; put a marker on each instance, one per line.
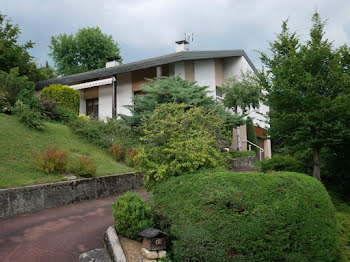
(92, 107)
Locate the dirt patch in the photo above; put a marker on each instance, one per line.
(131, 249)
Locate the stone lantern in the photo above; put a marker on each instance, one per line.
(153, 239)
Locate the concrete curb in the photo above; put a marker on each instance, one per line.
(19, 200)
(113, 245)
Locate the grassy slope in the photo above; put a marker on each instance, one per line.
(18, 144)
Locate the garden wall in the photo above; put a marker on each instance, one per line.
(26, 199)
(245, 161)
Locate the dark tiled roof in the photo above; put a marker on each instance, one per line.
(151, 232)
(152, 62)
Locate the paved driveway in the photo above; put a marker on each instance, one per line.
(57, 234)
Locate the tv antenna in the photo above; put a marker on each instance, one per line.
(189, 37)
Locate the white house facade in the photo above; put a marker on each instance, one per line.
(106, 92)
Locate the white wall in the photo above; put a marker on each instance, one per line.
(82, 109)
(124, 93)
(179, 69)
(204, 74)
(105, 102)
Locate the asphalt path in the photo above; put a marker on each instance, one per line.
(56, 234)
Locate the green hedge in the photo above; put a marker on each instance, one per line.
(279, 163)
(64, 95)
(224, 216)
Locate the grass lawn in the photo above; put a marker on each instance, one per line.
(18, 144)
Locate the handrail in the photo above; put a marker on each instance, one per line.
(261, 150)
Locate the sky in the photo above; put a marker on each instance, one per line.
(146, 29)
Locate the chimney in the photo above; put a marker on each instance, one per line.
(182, 46)
(112, 61)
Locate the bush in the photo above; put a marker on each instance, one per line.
(131, 215)
(179, 140)
(224, 216)
(130, 157)
(49, 107)
(118, 152)
(279, 163)
(27, 96)
(52, 160)
(29, 117)
(82, 165)
(66, 96)
(64, 115)
(104, 134)
(11, 85)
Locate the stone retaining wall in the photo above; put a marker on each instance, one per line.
(26, 199)
(245, 161)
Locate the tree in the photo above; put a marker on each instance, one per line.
(11, 84)
(170, 90)
(307, 87)
(180, 139)
(241, 95)
(84, 51)
(14, 55)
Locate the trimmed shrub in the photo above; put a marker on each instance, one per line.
(117, 152)
(179, 140)
(224, 216)
(64, 95)
(130, 157)
(131, 215)
(82, 165)
(28, 116)
(279, 163)
(52, 160)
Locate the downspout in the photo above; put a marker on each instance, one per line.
(159, 72)
(114, 97)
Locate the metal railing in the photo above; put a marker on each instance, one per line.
(250, 144)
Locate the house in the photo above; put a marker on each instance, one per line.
(105, 92)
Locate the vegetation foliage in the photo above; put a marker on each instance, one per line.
(18, 145)
(131, 215)
(224, 216)
(52, 160)
(279, 163)
(308, 90)
(81, 165)
(174, 90)
(16, 56)
(11, 85)
(65, 96)
(118, 152)
(179, 139)
(105, 134)
(86, 50)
